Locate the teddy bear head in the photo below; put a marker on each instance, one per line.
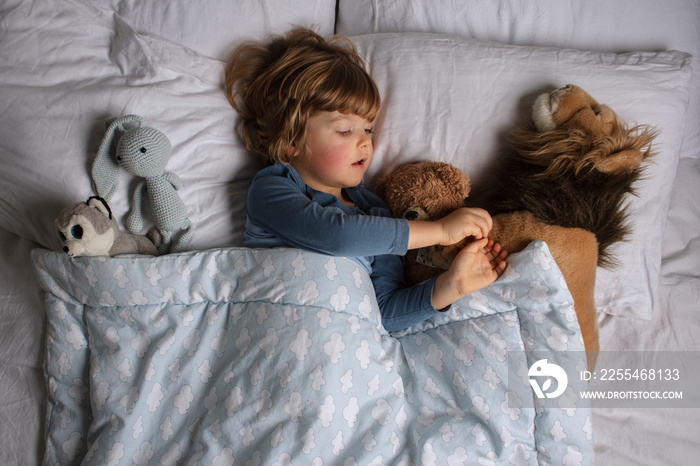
(424, 190)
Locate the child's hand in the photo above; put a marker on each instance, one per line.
(476, 266)
(463, 223)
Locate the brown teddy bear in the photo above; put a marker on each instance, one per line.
(564, 184)
(425, 191)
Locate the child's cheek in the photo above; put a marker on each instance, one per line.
(336, 156)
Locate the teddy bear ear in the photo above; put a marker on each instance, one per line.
(100, 204)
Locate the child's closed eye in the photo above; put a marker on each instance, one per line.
(347, 132)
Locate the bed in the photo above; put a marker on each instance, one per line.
(223, 355)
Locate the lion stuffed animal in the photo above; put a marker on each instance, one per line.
(576, 169)
(563, 184)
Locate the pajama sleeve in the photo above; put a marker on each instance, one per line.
(401, 306)
(278, 209)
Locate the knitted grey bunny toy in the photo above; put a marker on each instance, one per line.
(142, 151)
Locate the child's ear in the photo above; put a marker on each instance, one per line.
(294, 150)
(296, 146)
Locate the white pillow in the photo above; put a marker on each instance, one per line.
(454, 99)
(212, 27)
(603, 25)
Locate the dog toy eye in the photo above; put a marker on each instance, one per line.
(143, 150)
(77, 232)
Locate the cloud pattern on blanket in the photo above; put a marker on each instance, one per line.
(279, 357)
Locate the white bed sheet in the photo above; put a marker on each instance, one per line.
(622, 436)
(22, 331)
(654, 436)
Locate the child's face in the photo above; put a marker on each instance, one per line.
(337, 152)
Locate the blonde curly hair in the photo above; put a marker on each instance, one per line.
(278, 85)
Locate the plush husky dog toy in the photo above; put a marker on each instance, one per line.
(89, 229)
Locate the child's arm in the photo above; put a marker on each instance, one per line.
(278, 207)
(478, 265)
(401, 306)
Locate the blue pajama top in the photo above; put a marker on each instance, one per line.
(282, 211)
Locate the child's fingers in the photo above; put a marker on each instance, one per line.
(489, 221)
(476, 245)
(491, 249)
(466, 222)
(500, 268)
(498, 252)
(496, 255)
(482, 221)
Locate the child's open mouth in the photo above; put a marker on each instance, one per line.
(359, 163)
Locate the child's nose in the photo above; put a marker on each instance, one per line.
(365, 141)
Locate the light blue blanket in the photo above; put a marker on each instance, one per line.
(260, 357)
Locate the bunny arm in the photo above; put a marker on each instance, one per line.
(173, 179)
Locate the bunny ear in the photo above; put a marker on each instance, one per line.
(105, 169)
